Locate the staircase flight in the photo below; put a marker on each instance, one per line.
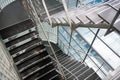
(99, 15)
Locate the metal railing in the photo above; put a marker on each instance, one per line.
(33, 12)
(36, 19)
(103, 63)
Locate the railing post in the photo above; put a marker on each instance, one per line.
(91, 45)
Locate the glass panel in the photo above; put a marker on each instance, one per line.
(99, 61)
(91, 64)
(66, 35)
(106, 54)
(77, 48)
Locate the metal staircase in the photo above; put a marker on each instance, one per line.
(29, 54)
(101, 15)
(79, 71)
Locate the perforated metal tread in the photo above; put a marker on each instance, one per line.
(78, 69)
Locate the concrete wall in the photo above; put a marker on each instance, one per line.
(7, 71)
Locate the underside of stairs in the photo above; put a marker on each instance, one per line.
(29, 54)
(100, 15)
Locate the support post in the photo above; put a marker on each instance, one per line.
(91, 45)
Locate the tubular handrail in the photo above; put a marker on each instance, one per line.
(38, 22)
(66, 12)
(47, 12)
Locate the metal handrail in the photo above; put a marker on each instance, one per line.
(38, 22)
(47, 12)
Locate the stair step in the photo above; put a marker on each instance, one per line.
(92, 77)
(15, 50)
(35, 58)
(78, 68)
(64, 59)
(85, 74)
(18, 28)
(75, 20)
(61, 56)
(111, 14)
(38, 65)
(49, 75)
(30, 57)
(57, 20)
(81, 70)
(45, 74)
(71, 64)
(71, 78)
(22, 38)
(24, 33)
(66, 62)
(62, 20)
(30, 65)
(65, 71)
(41, 72)
(74, 66)
(22, 42)
(53, 21)
(37, 70)
(27, 50)
(98, 78)
(56, 77)
(92, 16)
(68, 75)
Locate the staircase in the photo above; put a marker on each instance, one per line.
(53, 6)
(99, 15)
(29, 54)
(80, 71)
